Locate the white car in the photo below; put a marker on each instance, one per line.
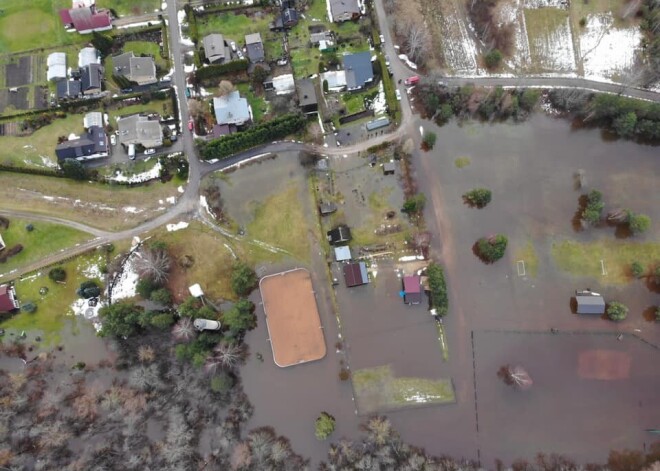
(232, 44)
(206, 324)
(113, 139)
(398, 94)
(153, 151)
(239, 53)
(382, 39)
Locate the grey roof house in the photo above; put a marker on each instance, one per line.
(344, 10)
(359, 71)
(215, 48)
(255, 47)
(91, 79)
(141, 70)
(590, 304)
(68, 89)
(92, 144)
(141, 130)
(307, 96)
(232, 109)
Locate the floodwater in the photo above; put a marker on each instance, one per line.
(530, 167)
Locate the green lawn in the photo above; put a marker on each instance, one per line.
(232, 27)
(583, 259)
(258, 104)
(33, 24)
(148, 48)
(54, 307)
(354, 102)
(130, 7)
(45, 239)
(377, 390)
(163, 107)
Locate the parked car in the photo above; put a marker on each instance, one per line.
(206, 324)
(190, 125)
(398, 94)
(153, 151)
(131, 151)
(382, 40)
(414, 80)
(239, 53)
(113, 139)
(387, 60)
(232, 44)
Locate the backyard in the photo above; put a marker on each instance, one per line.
(130, 7)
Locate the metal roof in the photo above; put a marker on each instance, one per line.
(590, 304)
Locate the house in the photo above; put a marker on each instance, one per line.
(344, 10)
(88, 55)
(377, 124)
(339, 235)
(86, 20)
(316, 38)
(355, 274)
(389, 168)
(8, 301)
(220, 130)
(327, 208)
(91, 145)
(216, 49)
(141, 70)
(282, 84)
(56, 63)
(232, 109)
(255, 47)
(343, 253)
(287, 19)
(91, 79)
(93, 118)
(412, 289)
(307, 96)
(359, 71)
(68, 89)
(336, 80)
(140, 130)
(590, 303)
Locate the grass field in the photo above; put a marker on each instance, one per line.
(233, 27)
(130, 7)
(274, 222)
(45, 239)
(550, 40)
(583, 259)
(462, 162)
(53, 308)
(34, 24)
(162, 107)
(258, 104)
(527, 253)
(103, 206)
(378, 390)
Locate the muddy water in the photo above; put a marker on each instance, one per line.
(530, 168)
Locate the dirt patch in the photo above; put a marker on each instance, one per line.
(17, 99)
(19, 72)
(604, 364)
(294, 325)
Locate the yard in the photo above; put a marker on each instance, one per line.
(104, 206)
(45, 239)
(148, 48)
(161, 107)
(130, 7)
(550, 40)
(232, 26)
(258, 103)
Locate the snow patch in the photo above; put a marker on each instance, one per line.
(132, 210)
(124, 286)
(380, 102)
(81, 307)
(171, 199)
(151, 174)
(176, 227)
(180, 189)
(555, 49)
(534, 4)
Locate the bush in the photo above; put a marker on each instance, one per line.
(145, 287)
(637, 269)
(222, 383)
(89, 289)
(491, 249)
(638, 223)
(29, 307)
(617, 311)
(592, 212)
(161, 296)
(120, 320)
(493, 59)
(218, 70)
(478, 197)
(162, 321)
(438, 289)
(29, 227)
(243, 279)
(240, 317)
(324, 426)
(429, 140)
(57, 274)
(73, 169)
(414, 205)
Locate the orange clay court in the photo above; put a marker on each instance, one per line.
(604, 364)
(294, 325)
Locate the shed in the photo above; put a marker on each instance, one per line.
(389, 168)
(412, 289)
(93, 118)
(339, 235)
(343, 253)
(255, 47)
(327, 208)
(355, 274)
(590, 304)
(8, 301)
(56, 63)
(196, 290)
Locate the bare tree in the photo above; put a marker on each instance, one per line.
(146, 354)
(417, 40)
(225, 87)
(196, 108)
(184, 330)
(154, 264)
(225, 355)
(241, 456)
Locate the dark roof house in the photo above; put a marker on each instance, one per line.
(339, 235)
(344, 10)
(91, 79)
(8, 301)
(68, 89)
(327, 208)
(86, 20)
(412, 289)
(141, 70)
(287, 19)
(590, 304)
(220, 130)
(93, 143)
(355, 274)
(358, 69)
(307, 96)
(216, 49)
(389, 168)
(255, 47)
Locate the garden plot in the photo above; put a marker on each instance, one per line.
(511, 12)
(19, 72)
(607, 50)
(550, 40)
(458, 46)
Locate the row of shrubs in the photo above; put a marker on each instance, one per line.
(218, 70)
(256, 135)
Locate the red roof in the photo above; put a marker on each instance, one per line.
(86, 19)
(7, 300)
(65, 16)
(412, 284)
(355, 274)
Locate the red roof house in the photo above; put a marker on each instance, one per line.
(86, 20)
(8, 301)
(355, 274)
(412, 289)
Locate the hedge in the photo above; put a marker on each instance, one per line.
(438, 289)
(217, 70)
(260, 134)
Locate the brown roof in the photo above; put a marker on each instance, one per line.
(7, 302)
(355, 274)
